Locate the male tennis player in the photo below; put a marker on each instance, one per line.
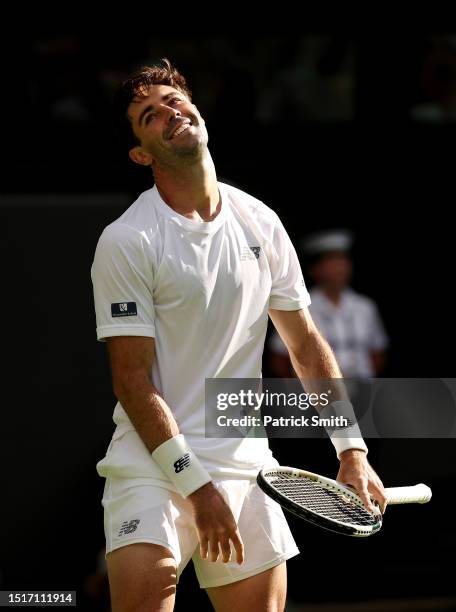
(183, 283)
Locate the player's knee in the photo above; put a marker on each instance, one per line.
(142, 577)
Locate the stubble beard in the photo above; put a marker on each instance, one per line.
(191, 154)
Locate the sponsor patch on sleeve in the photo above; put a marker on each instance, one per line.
(124, 309)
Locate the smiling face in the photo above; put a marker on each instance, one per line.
(168, 126)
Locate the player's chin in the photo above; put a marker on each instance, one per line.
(191, 146)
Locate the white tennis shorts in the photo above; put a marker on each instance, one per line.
(138, 511)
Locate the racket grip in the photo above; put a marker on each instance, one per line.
(417, 494)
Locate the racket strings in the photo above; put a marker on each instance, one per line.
(320, 500)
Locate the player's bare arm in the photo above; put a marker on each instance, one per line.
(312, 358)
(131, 359)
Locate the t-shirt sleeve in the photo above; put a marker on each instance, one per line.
(288, 291)
(122, 276)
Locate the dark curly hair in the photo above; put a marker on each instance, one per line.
(137, 85)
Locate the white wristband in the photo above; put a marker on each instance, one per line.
(181, 465)
(344, 437)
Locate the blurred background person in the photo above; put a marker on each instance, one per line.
(349, 321)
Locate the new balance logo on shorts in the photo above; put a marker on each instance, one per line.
(128, 527)
(182, 463)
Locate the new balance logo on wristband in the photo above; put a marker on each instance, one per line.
(128, 527)
(182, 463)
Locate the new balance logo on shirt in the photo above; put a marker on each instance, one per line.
(182, 463)
(252, 252)
(128, 527)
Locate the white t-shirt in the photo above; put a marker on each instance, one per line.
(353, 328)
(202, 290)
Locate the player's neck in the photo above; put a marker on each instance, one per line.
(334, 294)
(190, 190)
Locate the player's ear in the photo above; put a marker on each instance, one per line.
(139, 156)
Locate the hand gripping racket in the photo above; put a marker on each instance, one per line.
(329, 504)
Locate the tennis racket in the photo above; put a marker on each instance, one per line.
(329, 504)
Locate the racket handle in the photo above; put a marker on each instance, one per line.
(418, 494)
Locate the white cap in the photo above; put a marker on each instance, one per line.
(324, 242)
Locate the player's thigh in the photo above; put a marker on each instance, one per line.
(142, 577)
(266, 591)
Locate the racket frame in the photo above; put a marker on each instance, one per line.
(319, 520)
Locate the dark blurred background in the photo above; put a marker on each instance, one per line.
(329, 130)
